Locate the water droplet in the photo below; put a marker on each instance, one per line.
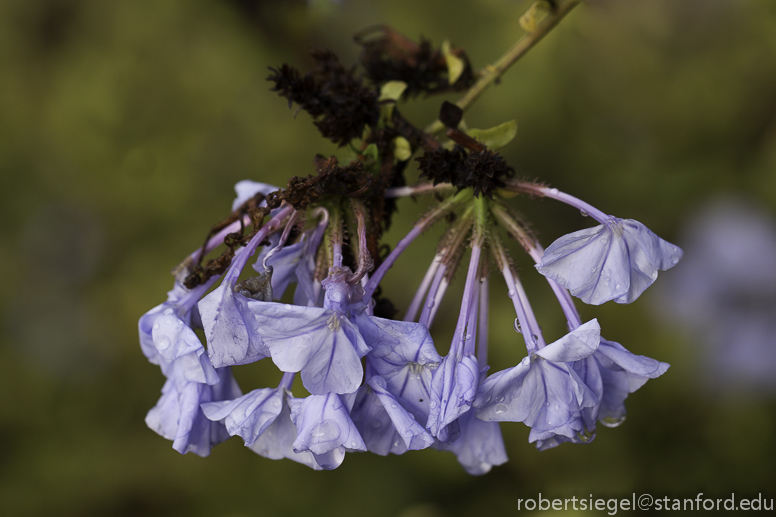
(353, 445)
(674, 259)
(163, 343)
(535, 338)
(276, 403)
(611, 421)
(500, 398)
(604, 240)
(617, 286)
(592, 268)
(553, 191)
(432, 404)
(511, 294)
(156, 326)
(467, 337)
(338, 257)
(583, 213)
(376, 424)
(517, 326)
(430, 304)
(325, 431)
(169, 311)
(676, 249)
(500, 409)
(393, 406)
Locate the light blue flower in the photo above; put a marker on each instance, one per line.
(324, 428)
(453, 389)
(543, 390)
(622, 373)
(479, 447)
(262, 418)
(385, 425)
(403, 354)
(178, 417)
(246, 189)
(232, 332)
(277, 441)
(616, 261)
(321, 343)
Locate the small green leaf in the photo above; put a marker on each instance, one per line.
(528, 19)
(495, 137)
(392, 90)
(455, 64)
(371, 150)
(401, 149)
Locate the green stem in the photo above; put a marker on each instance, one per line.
(492, 72)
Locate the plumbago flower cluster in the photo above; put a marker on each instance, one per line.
(370, 381)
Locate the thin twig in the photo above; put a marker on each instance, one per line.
(492, 72)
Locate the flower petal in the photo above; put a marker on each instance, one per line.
(616, 261)
(325, 428)
(230, 328)
(246, 189)
(249, 415)
(479, 447)
(324, 346)
(576, 345)
(276, 442)
(453, 389)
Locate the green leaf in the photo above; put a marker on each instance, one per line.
(455, 64)
(495, 137)
(528, 19)
(401, 149)
(392, 91)
(371, 150)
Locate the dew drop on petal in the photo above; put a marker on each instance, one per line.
(156, 326)
(353, 444)
(604, 240)
(500, 409)
(583, 213)
(325, 431)
(617, 286)
(517, 326)
(613, 421)
(553, 191)
(430, 304)
(168, 311)
(376, 424)
(500, 398)
(511, 294)
(163, 343)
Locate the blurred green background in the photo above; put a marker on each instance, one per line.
(125, 124)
